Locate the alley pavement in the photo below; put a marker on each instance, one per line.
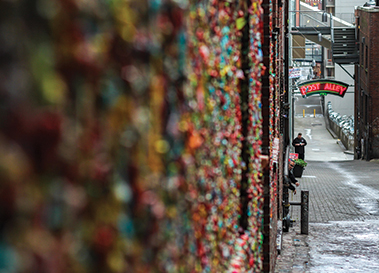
(343, 209)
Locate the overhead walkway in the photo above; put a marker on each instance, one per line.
(326, 30)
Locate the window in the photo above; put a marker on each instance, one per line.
(330, 72)
(330, 10)
(366, 58)
(361, 50)
(329, 54)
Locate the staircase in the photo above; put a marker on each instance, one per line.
(344, 46)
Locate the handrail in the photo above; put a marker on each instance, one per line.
(310, 9)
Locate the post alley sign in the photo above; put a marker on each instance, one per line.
(323, 87)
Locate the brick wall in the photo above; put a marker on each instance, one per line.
(367, 93)
(373, 77)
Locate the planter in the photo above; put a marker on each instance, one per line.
(298, 171)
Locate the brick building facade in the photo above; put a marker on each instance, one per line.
(275, 125)
(366, 87)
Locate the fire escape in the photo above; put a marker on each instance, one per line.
(328, 31)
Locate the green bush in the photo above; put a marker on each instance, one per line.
(300, 162)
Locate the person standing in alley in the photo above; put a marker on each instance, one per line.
(299, 142)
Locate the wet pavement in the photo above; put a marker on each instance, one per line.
(343, 211)
(346, 246)
(321, 145)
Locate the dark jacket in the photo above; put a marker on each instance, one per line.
(289, 180)
(292, 177)
(299, 149)
(287, 184)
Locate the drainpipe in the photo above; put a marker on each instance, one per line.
(286, 70)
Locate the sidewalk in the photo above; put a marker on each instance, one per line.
(294, 255)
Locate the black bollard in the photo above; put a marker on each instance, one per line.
(304, 212)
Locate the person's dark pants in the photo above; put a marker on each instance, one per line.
(286, 208)
(301, 156)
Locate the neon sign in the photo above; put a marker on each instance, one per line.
(323, 87)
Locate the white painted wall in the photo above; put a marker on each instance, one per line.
(347, 6)
(345, 105)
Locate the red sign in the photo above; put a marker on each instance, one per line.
(293, 156)
(323, 87)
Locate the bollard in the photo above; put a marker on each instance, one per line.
(303, 113)
(304, 212)
(314, 113)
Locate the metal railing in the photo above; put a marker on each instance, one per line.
(347, 17)
(344, 136)
(308, 16)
